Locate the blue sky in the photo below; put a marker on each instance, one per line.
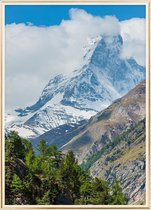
(53, 14)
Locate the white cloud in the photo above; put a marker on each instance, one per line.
(34, 54)
(133, 33)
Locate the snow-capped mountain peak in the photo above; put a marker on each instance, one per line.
(104, 77)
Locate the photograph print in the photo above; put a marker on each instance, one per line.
(75, 98)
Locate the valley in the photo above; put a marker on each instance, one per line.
(97, 112)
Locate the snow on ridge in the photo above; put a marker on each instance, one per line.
(81, 94)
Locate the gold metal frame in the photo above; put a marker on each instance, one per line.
(147, 206)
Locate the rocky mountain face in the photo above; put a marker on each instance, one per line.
(124, 160)
(98, 112)
(104, 77)
(123, 114)
(111, 144)
(61, 134)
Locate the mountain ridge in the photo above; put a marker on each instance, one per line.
(112, 143)
(104, 77)
(105, 125)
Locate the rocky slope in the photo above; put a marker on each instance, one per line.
(103, 127)
(104, 77)
(125, 160)
(61, 135)
(111, 144)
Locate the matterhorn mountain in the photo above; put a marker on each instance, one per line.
(67, 99)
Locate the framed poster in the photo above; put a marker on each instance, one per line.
(75, 108)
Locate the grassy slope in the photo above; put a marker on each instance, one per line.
(121, 148)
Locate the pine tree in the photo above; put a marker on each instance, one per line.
(17, 185)
(118, 197)
(100, 192)
(52, 177)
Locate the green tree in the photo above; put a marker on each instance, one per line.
(17, 185)
(69, 176)
(29, 159)
(42, 147)
(118, 198)
(52, 177)
(14, 146)
(100, 192)
(85, 192)
(45, 200)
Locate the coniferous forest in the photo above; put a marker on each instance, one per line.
(49, 177)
